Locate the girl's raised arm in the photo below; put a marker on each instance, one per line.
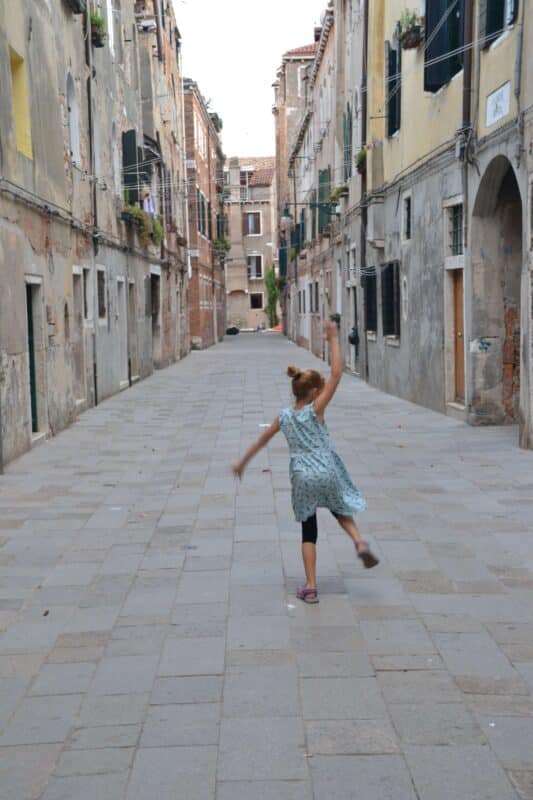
(265, 437)
(331, 332)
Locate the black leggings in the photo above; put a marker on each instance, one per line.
(310, 528)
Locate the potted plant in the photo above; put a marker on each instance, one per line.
(360, 161)
(98, 31)
(339, 191)
(158, 234)
(411, 30)
(221, 247)
(139, 217)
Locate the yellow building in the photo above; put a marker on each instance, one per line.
(446, 279)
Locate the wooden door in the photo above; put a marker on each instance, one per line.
(458, 303)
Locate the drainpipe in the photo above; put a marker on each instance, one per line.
(467, 111)
(89, 59)
(364, 214)
(1, 440)
(157, 14)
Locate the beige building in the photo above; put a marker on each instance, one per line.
(92, 214)
(250, 205)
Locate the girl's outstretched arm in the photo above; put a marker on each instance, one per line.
(331, 332)
(265, 437)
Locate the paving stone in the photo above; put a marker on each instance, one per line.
(334, 665)
(259, 633)
(264, 790)
(104, 737)
(41, 720)
(274, 749)
(87, 787)
(202, 656)
(397, 637)
(191, 689)
(435, 724)
(380, 777)
(63, 679)
(124, 675)
(523, 783)
(124, 709)
(350, 737)
(257, 691)
(418, 687)
(341, 698)
(94, 761)
(510, 738)
(181, 724)
(25, 770)
(468, 771)
(171, 772)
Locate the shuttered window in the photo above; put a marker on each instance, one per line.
(251, 223)
(371, 301)
(393, 61)
(324, 191)
(495, 16)
(130, 166)
(390, 299)
(445, 38)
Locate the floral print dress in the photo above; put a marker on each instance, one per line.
(318, 476)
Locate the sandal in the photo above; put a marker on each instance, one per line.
(308, 595)
(366, 555)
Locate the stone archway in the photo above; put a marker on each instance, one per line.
(496, 270)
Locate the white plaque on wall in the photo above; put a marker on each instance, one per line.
(498, 104)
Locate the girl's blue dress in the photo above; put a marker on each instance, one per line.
(318, 475)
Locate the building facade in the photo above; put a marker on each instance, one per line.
(250, 205)
(431, 240)
(205, 166)
(91, 272)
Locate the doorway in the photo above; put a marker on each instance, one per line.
(155, 296)
(496, 291)
(132, 332)
(458, 335)
(78, 355)
(122, 325)
(36, 354)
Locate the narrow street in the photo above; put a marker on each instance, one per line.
(151, 644)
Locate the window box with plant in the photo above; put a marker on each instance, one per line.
(98, 31)
(360, 161)
(221, 247)
(411, 30)
(338, 192)
(133, 215)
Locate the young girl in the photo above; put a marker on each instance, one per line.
(318, 475)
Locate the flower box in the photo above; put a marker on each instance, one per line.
(97, 36)
(412, 37)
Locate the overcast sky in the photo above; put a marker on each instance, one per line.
(232, 49)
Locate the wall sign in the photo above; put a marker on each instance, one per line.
(498, 104)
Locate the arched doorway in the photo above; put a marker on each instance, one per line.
(496, 263)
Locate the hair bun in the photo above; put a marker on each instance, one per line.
(294, 372)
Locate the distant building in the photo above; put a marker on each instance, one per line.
(250, 203)
(205, 166)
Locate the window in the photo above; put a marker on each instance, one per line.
(348, 142)
(255, 267)
(444, 35)
(299, 302)
(102, 296)
(393, 62)
(73, 122)
(256, 300)
(201, 210)
(251, 223)
(86, 294)
(390, 299)
(130, 167)
(455, 230)
(245, 185)
(311, 297)
(498, 15)
(316, 297)
(371, 315)
(324, 191)
(21, 104)
(406, 231)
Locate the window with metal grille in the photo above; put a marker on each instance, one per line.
(256, 300)
(251, 223)
(407, 217)
(102, 299)
(371, 310)
(324, 191)
(393, 62)
(311, 297)
(255, 267)
(443, 57)
(390, 299)
(455, 230)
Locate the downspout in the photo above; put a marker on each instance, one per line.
(157, 14)
(467, 112)
(364, 214)
(89, 59)
(184, 310)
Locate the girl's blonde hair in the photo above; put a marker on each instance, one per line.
(304, 381)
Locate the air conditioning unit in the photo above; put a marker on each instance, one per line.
(77, 6)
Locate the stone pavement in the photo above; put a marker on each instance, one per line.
(151, 645)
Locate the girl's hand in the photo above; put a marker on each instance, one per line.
(238, 470)
(330, 329)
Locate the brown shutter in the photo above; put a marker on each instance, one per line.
(244, 224)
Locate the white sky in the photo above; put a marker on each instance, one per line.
(232, 49)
